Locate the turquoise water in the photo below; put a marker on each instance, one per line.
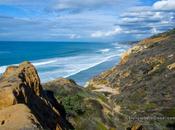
(77, 60)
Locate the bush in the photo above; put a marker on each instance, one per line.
(74, 105)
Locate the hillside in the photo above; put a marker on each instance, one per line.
(84, 109)
(145, 80)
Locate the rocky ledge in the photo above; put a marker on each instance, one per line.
(25, 105)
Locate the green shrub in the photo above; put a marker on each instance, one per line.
(133, 107)
(101, 126)
(150, 106)
(74, 104)
(169, 112)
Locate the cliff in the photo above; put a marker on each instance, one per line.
(145, 82)
(25, 105)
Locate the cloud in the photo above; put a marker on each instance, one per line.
(164, 5)
(146, 20)
(113, 32)
(154, 30)
(84, 20)
(74, 36)
(24, 2)
(69, 4)
(147, 17)
(77, 6)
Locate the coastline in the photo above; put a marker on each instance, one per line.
(138, 87)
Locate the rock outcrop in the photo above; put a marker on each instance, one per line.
(25, 105)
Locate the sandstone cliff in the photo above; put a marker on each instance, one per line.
(25, 105)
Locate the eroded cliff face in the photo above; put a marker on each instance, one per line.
(25, 105)
(145, 82)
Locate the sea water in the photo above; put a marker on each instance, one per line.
(76, 60)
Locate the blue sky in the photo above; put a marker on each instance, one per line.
(88, 20)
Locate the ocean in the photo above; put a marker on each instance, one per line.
(79, 61)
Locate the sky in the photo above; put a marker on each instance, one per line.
(84, 20)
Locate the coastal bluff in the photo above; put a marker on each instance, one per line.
(145, 84)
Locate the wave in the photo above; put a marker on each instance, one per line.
(2, 69)
(66, 67)
(104, 50)
(37, 63)
(50, 69)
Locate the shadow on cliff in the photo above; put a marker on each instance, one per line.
(43, 108)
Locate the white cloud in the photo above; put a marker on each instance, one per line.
(148, 20)
(24, 2)
(113, 32)
(154, 30)
(77, 6)
(74, 36)
(164, 5)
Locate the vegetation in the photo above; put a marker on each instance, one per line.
(84, 108)
(150, 106)
(169, 112)
(74, 104)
